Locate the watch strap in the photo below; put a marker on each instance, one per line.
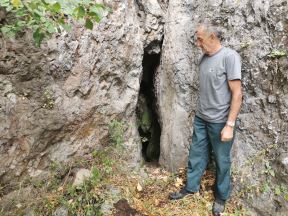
(230, 123)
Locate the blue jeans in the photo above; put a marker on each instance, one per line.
(206, 135)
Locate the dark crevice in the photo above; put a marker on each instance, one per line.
(148, 124)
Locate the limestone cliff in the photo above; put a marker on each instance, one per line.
(56, 102)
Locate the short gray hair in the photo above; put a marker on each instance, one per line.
(211, 28)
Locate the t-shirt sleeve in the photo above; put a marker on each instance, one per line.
(201, 59)
(233, 66)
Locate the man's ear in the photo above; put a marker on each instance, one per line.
(213, 36)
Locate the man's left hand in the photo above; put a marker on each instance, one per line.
(227, 133)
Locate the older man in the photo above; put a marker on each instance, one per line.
(220, 99)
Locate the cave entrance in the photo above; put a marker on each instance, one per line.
(147, 118)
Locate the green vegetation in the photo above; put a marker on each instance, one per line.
(146, 120)
(267, 182)
(45, 17)
(48, 100)
(245, 44)
(83, 199)
(269, 169)
(277, 54)
(116, 132)
(147, 194)
(107, 163)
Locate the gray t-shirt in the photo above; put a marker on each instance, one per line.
(215, 95)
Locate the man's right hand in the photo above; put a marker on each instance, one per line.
(227, 133)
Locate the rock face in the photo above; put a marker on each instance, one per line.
(57, 102)
(81, 176)
(176, 84)
(255, 29)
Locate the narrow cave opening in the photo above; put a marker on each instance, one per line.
(147, 117)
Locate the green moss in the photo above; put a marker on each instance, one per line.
(146, 121)
(277, 54)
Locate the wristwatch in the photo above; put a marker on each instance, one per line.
(231, 123)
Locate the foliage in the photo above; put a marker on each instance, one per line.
(146, 194)
(106, 162)
(48, 100)
(277, 54)
(83, 199)
(146, 121)
(116, 132)
(269, 169)
(267, 183)
(245, 44)
(45, 17)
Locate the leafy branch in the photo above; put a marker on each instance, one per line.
(45, 17)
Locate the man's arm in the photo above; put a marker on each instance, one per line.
(236, 101)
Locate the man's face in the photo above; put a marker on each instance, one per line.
(203, 40)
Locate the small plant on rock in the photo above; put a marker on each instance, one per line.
(277, 54)
(48, 100)
(116, 132)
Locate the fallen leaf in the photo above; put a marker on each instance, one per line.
(164, 178)
(156, 171)
(16, 3)
(156, 202)
(139, 187)
(179, 182)
(182, 170)
(60, 189)
(19, 205)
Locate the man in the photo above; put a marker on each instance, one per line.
(220, 98)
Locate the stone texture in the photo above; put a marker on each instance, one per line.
(15, 200)
(56, 102)
(61, 211)
(81, 176)
(174, 85)
(254, 28)
(113, 195)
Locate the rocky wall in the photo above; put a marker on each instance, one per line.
(56, 102)
(257, 30)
